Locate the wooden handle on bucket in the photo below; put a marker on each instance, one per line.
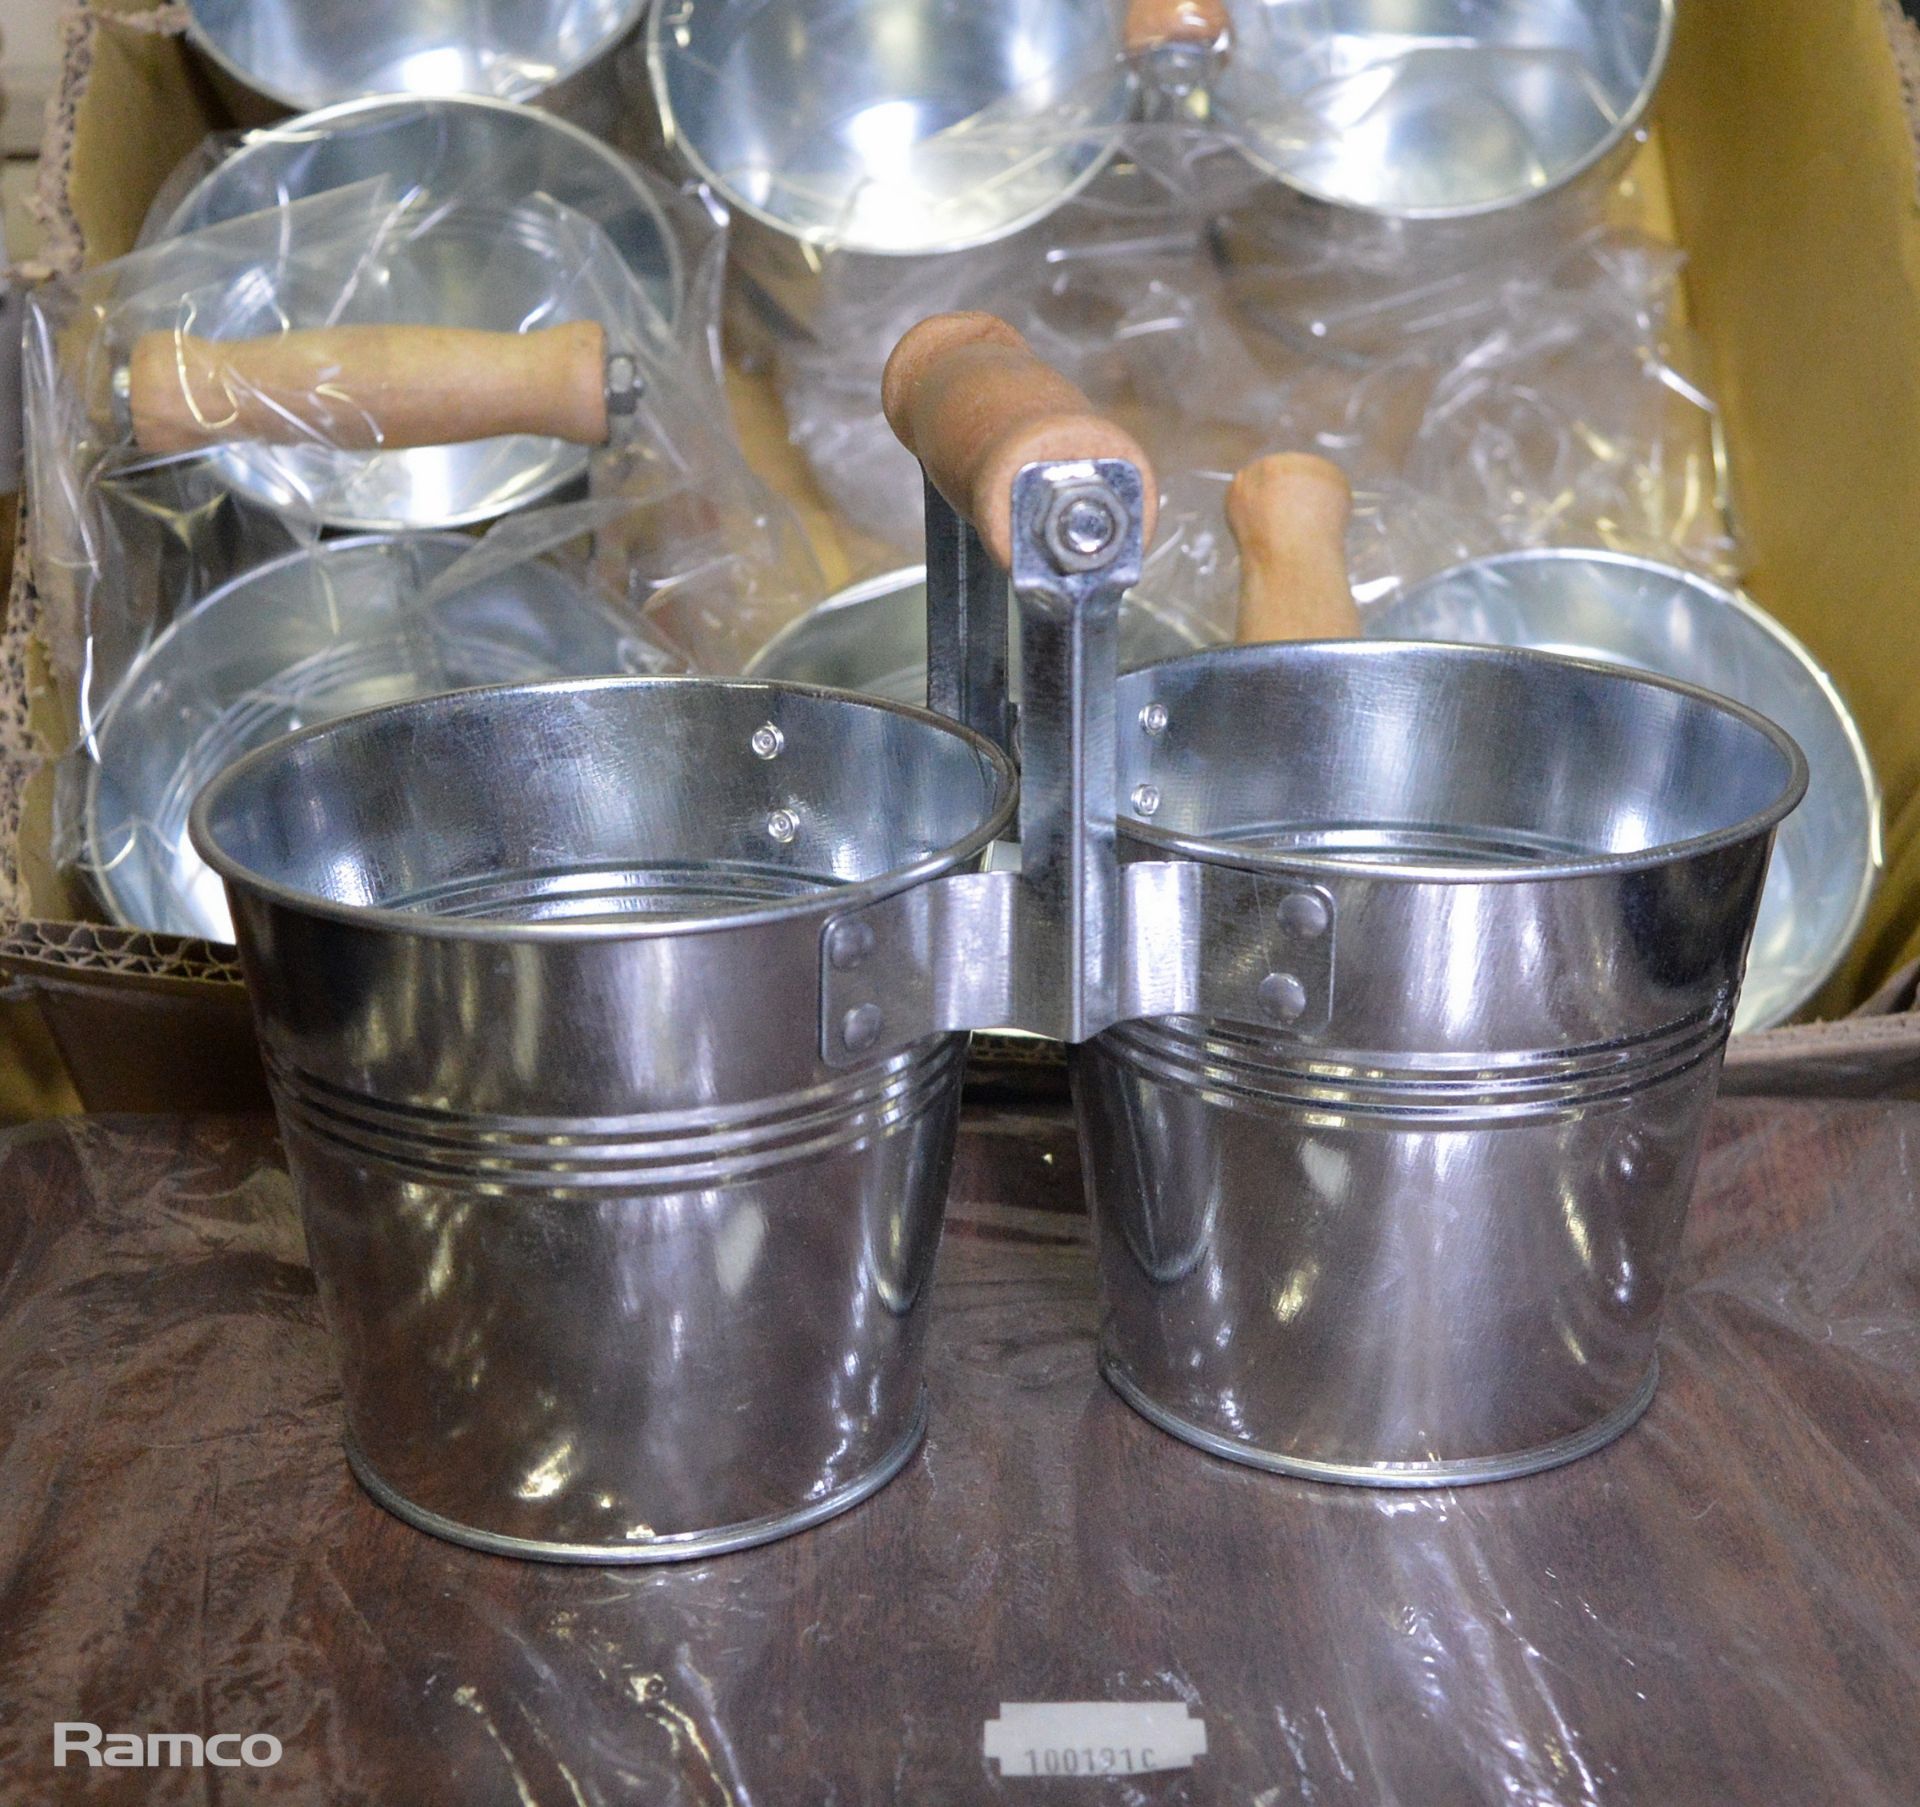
(968, 398)
(1155, 24)
(1289, 513)
(369, 388)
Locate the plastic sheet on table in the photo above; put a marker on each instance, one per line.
(1718, 1607)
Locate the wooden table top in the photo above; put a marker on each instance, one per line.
(1722, 1607)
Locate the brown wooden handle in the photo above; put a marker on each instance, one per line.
(369, 388)
(968, 398)
(1154, 24)
(1289, 513)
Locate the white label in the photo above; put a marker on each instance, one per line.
(1094, 1737)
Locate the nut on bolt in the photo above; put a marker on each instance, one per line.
(1084, 523)
(625, 384)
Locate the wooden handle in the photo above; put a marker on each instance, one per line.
(1289, 513)
(1154, 24)
(369, 388)
(968, 398)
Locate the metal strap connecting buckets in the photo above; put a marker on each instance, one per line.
(1402, 977)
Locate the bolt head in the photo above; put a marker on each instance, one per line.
(1153, 719)
(783, 825)
(767, 741)
(1146, 800)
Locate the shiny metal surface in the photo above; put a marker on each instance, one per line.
(883, 131)
(311, 636)
(617, 1267)
(1422, 1234)
(872, 637)
(1034, 943)
(304, 55)
(434, 143)
(896, 128)
(1652, 617)
(1440, 109)
(491, 267)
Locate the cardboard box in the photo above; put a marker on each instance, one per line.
(1787, 135)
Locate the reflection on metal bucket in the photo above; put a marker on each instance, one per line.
(317, 634)
(1440, 109)
(1416, 1226)
(617, 1267)
(1655, 617)
(873, 638)
(307, 56)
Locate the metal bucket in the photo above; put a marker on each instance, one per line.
(312, 636)
(884, 132)
(1440, 109)
(1423, 149)
(618, 1267)
(1638, 612)
(304, 55)
(1410, 1221)
(872, 638)
(474, 266)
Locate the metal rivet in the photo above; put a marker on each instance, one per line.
(1282, 995)
(1146, 799)
(860, 1027)
(768, 741)
(783, 825)
(1304, 914)
(1153, 718)
(849, 944)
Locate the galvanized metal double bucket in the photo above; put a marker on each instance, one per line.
(616, 1028)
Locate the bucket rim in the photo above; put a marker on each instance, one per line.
(826, 902)
(1326, 869)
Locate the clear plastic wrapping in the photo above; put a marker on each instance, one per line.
(1544, 394)
(163, 575)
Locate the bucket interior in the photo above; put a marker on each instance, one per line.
(346, 625)
(307, 55)
(602, 801)
(1438, 756)
(893, 126)
(445, 145)
(1413, 107)
(1653, 617)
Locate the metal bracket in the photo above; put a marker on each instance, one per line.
(1195, 940)
(1069, 941)
(1220, 941)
